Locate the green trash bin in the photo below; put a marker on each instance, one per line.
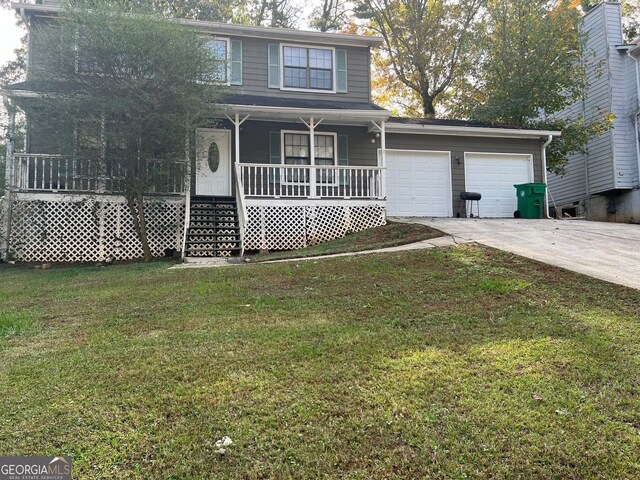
(530, 200)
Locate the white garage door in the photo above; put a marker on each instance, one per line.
(494, 175)
(418, 184)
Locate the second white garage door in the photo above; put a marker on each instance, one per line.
(418, 184)
(494, 175)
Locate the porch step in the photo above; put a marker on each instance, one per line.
(214, 230)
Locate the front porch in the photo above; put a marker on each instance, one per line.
(61, 208)
(303, 176)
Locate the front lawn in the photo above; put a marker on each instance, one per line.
(446, 363)
(390, 235)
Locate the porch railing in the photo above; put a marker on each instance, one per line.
(318, 181)
(60, 173)
(242, 208)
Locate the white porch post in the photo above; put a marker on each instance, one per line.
(383, 159)
(9, 185)
(237, 125)
(187, 166)
(312, 155)
(312, 159)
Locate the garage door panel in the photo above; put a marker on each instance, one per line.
(494, 176)
(418, 184)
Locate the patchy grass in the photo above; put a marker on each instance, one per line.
(447, 363)
(390, 235)
(14, 323)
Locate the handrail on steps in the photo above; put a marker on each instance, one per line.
(187, 221)
(242, 208)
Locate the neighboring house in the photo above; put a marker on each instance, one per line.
(603, 184)
(299, 156)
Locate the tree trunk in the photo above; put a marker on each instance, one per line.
(139, 221)
(274, 13)
(427, 106)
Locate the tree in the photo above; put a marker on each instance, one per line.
(130, 86)
(631, 20)
(212, 10)
(268, 13)
(428, 44)
(11, 72)
(534, 65)
(330, 15)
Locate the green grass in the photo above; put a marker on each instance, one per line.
(448, 363)
(14, 323)
(390, 235)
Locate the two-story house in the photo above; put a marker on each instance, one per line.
(299, 155)
(603, 184)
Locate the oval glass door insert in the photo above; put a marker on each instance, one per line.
(213, 157)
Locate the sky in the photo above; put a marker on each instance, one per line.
(9, 35)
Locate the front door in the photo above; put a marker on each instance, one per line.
(213, 162)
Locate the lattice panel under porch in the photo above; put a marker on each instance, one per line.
(90, 229)
(326, 223)
(287, 227)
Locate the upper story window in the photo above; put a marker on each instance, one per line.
(308, 68)
(219, 48)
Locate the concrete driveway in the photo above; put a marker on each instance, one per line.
(609, 251)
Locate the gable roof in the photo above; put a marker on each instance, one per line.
(232, 29)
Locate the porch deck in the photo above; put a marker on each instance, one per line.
(66, 210)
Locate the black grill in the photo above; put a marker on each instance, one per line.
(467, 197)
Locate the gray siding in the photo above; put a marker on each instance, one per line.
(573, 185)
(629, 151)
(254, 69)
(459, 145)
(255, 74)
(624, 151)
(611, 161)
(254, 141)
(599, 96)
(37, 38)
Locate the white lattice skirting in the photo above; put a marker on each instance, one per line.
(287, 227)
(82, 228)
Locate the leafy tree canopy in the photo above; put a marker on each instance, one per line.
(534, 65)
(213, 10)
(130, 84)
(331, 15)
(428, 44)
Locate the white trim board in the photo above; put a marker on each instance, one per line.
(295, 112)
(302, 202)
(400, 128)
